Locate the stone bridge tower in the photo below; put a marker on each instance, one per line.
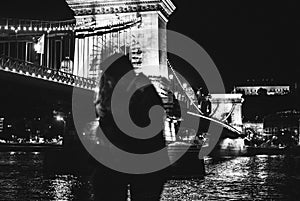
(150, 34)
(228, 108)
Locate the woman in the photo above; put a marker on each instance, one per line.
(110, 184)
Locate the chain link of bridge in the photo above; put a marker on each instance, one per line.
(190, 101)
(20, 67)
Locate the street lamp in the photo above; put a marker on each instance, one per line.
(67, 65)
(60, 118)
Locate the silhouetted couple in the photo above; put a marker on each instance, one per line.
(110, 184)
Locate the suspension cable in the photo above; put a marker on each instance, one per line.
(180, 84)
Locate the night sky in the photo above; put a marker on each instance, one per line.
(246, 39)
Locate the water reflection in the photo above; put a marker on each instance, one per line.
(61, 188)
(243, 178)
(22, 177)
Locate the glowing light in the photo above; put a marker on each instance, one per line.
(24, 28)
(6, 27)
(236, 144)
(30, 28)
(59, 118)
(35, 28)
(97, 90)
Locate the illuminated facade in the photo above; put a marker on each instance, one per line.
(270, 90)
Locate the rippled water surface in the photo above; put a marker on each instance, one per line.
(243, 178)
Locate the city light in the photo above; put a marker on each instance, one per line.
(59, 118)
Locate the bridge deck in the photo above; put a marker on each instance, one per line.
(13, 65)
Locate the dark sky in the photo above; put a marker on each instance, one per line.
(246, 39)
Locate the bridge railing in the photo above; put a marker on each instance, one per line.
(29, 69)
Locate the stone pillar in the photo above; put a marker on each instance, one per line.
(150, 34)
(236, 116)
(223, 104)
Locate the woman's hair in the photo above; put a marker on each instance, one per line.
(114, 68)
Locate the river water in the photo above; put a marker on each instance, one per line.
(242, 178)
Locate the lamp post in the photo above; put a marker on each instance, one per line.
(171, 77)
(67, 65)
(60, 118)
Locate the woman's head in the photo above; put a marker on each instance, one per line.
(114, 68)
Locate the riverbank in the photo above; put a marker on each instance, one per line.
(29, 147)
(252, 151)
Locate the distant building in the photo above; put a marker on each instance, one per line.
(270, 90)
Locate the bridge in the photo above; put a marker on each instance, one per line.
(70, 52)
(20, 67)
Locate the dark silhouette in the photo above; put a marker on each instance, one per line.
(206, 106)
(110, 184)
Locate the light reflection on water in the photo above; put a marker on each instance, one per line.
(242, 178)
(22, 178)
